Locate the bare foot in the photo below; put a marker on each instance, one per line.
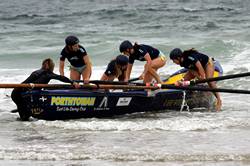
(218, 105)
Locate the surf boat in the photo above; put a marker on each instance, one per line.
(61, 104)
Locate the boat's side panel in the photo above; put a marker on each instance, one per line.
(176, 99)
(69, 104)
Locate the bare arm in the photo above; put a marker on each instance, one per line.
(201, 71)
(104, 77)
(88, 69)
(61, 68)
(148, 64)
(128, 72)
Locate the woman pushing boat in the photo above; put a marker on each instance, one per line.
(116, 69)
(41, 76)
(154, 58)
(80, 64)
(199, 66)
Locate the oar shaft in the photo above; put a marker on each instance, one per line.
(104, 82)
(98, 82)
(195, 88)
(85, 86)
(125, 87)
(220, 78)
(89, 86)
(35, 86)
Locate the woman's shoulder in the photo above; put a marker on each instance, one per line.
(111, 63)
(82, 50)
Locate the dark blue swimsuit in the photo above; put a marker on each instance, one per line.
(111, 68)
(75, 58)
(141, 50)
(191, 57)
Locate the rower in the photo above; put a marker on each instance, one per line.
(154, 58)
(80, 64)
(116, 69)
(41, 76)
(199, 66)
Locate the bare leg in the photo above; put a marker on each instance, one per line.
(148, 77)
(74, 75)
(152, 70)
(111, 78)
(209, 74)
(87, 73)
(189, 75)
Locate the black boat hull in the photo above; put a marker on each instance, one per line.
(73, 103)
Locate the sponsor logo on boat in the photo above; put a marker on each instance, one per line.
(104, 102)
(70, 109)
(123, 101)
(72, 101)
(37, 110)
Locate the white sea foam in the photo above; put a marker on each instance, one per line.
(220, 29)
(196, 122)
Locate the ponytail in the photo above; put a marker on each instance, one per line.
(190, 51)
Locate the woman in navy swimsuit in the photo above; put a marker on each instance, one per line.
(199, 66)
(80, 64)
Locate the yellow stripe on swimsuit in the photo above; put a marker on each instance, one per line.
(162, 56)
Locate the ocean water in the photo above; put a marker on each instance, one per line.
(31, 30)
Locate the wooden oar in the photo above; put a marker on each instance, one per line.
(56, 86)
(156, 86)
(99, 82)
(196, 88)
(85, 86)
(104, 82)
(193, 82)
(113, 82)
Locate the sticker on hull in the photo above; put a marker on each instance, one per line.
(72, 101)
(124, 101)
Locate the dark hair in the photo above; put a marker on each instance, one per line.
(48, 63)
(71, 40)
(175, 53)
(121, 60)
(188, 52)
(125, 45)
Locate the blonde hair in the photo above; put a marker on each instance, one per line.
(118, 70)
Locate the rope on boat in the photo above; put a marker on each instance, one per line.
(184, 103)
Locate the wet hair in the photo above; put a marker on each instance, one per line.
(48, 64)
(175, 53)
(71, 40)
(121, 60)
(188, 52)
(126, 44)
